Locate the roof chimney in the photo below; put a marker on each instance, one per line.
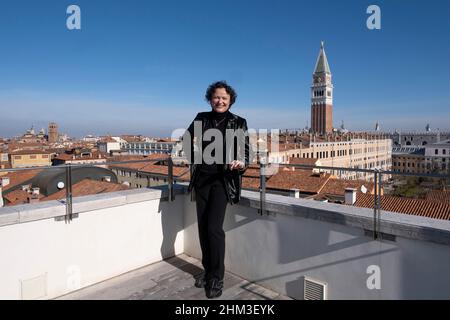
(350, 196)
(34, 198)
(35, 191)
(4, 181)
(295, 193)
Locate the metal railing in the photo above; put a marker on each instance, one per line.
(377, 174)
(68, 168)
(377, 180)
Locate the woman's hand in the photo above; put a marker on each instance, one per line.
(237, 165)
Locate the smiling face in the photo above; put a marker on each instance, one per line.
(220, 100)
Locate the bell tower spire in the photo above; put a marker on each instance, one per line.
(322, 95)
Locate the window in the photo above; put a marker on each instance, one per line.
(33, 156)
(443, 151)
(436, 151)
(45, 156)
(17, 157)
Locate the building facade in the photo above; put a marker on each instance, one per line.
(148, 147)
(373, 152)
(30, 158)
(354, 153)
(437, 157)
(418, 138)
(430, 158)
(409, 159)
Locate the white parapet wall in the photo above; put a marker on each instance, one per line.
(44, 257)
(333, 244)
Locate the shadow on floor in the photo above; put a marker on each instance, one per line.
(184, 266)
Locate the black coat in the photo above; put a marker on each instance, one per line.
(240, 151)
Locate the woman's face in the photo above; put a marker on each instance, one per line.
(220, 101)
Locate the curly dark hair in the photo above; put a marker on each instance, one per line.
(221, 84)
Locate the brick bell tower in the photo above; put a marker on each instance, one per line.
(322, 96)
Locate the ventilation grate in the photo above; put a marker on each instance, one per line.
(314, 290)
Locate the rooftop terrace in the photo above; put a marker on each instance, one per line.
(134, 244)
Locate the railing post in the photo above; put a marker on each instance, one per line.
(262, 188)
(379, 201)
(170, 180)
(375, 204)
(68, 216)
(190, 175)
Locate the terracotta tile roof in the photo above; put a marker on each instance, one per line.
(5, 165)
(438, 196)
(304, 180)
(129, 138)
(250, 183)
(126, 158)
(106, 139)
(280, 147)
(137, 166)
(252, 172)
(152, 158)
(163, 170)
(286, 179)
(19, 196)
(64, 156)
(27, 144)
(418, 207)
(151, 167)
(88, 187)
(158, 156)
(336, 187)
(186, 176)
(19, 177)
(56, 150)
(304, 161)
(25, 152)
(69, 157)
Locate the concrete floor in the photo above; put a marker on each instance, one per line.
(171, 279)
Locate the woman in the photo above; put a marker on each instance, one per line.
(216, 177)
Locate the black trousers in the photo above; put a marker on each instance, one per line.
(211, 201)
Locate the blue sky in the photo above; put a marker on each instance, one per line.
(143, 66)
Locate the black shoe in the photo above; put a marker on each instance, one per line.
(200, 280)
(214, 288)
